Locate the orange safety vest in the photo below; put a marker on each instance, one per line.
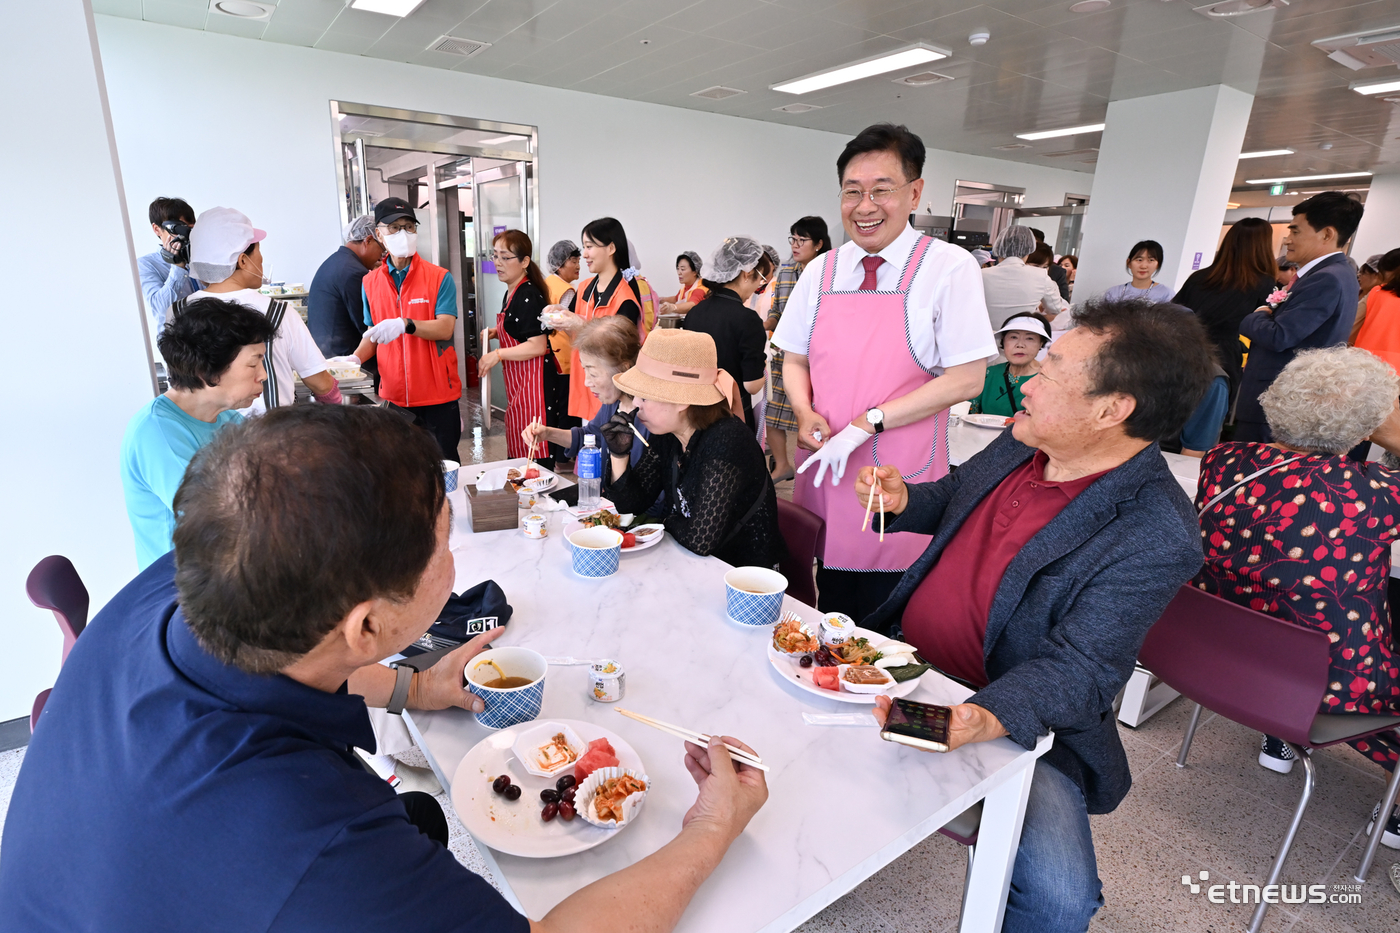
(412, 371)
(583, 403)
(1380, 332)
(560, 343)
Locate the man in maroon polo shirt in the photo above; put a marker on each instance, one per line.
(1053, 551)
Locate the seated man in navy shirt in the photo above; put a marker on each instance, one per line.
(192, 769)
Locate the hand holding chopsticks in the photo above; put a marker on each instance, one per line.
(889, 486)
(698, 738)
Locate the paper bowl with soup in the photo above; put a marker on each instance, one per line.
(510, 681)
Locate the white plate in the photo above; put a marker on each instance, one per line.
(498, 475)
(515, 827)
(996, 422)
(788, 668)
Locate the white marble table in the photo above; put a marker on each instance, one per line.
(662, 616)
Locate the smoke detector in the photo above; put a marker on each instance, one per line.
(1239, 7)
(718, 92)
(1368, 49)
(454, 45)
(923, 79)
(243, 9)
(797, 108)
(979, 37)
(1011, 146)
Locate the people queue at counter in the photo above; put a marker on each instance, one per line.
(1001, 572)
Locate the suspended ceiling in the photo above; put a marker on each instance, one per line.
(1043, 66)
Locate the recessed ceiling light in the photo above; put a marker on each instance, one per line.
(1280, 181)
(497, 140)
(796, 108)
(1067, 131)
(1382, 87)
(387, 7)
(1238, 7)
(890, 61)
(1009, 146)
(243, 9)
(1090, 6)
(922, 79)
(1265, 152)
(718, 92)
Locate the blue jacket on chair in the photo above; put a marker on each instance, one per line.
(1319, 312)
(1074, 605)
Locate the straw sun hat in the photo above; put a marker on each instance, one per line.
(679, 366)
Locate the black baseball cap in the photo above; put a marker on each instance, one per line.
(391, 209)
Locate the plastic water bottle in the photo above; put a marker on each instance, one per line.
(589, 470)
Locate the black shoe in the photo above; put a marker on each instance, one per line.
(1391, 837)
(1277, 755)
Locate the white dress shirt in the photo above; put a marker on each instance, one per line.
(293, 349)
(945, 322)
(1012, 287)
(1307, 267)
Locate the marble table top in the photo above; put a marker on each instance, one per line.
(662, 616)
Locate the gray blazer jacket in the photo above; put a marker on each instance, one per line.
(1074, 605)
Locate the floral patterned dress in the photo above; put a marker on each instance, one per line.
(1309, 542)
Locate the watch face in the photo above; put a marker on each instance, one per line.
(875, 416)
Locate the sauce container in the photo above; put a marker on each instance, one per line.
(836, 627)
(607, 681)
(534, 526)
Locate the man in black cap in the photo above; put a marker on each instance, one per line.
(411, 313)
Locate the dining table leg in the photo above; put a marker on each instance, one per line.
(1003, 812)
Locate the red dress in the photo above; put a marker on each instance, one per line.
(525, 379)
(1310, 543)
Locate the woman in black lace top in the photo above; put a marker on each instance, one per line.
(720, 497)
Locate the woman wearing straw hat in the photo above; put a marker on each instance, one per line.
(701, 453)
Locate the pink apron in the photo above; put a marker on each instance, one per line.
(859, 357)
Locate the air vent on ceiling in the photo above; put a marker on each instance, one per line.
(797, 108)
(1364, 49)
(1067, 153)
(923, 79)
(243, 9)
(453, 45)
(718, 92)
(1010, 146)
(1239, 7)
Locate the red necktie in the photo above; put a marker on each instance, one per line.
(871, 263)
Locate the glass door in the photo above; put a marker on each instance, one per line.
(502, 202)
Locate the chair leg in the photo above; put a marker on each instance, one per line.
(1309, 776)
(1190, 734)
(1391, 792)
(967, 882)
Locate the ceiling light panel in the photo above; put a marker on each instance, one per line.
(1281, 181)
(398, 8)
(1067, 131)
(880, 64)
(1262, 153)
(1384, 87)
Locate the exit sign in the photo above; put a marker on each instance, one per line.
(1276, 189)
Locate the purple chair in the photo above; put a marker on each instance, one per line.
(54, 584)
(1266, 674)
(804, 533)
(963, 829)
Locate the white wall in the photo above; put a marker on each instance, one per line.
(72, 382)
(248, 126)
(1380, 225)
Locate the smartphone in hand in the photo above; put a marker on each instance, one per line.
(918, 725)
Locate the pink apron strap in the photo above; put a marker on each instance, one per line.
(829, 272)
(911, 268)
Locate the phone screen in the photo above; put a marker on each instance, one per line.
(921, 725)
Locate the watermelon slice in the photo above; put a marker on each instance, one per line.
(826, 678)
(600, 754)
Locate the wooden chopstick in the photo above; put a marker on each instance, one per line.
(882, 517)
(869, 503)
(699, 738)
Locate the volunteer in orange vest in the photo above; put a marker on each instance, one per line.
(611, 290)
(1380, 331)
(411, 310)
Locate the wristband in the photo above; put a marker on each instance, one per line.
(403, 677)
(408, 325)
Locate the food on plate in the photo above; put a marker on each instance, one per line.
(836, 627)
(565, 782)
(532, 473)
(909, 672)
(514, 475)
(805, 660)
(608, 798)
(853, 651)
(566, 810)
(628, 539)
(600, 754)
(603, 519)
(866, 675)
(647, 532)
(512, 792)
(549, 795)
(501, 783)
(555, 754)
(792, 636)
(551, 810)
(826, 678)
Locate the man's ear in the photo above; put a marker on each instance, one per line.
(1115, 409)
(360, 631)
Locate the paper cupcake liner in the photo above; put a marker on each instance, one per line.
(630, 807)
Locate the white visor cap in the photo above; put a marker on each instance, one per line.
(1026, 323)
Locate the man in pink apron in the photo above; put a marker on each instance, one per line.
(881, 336)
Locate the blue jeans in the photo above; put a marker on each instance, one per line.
(1055, 885)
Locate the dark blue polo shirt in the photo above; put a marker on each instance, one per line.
(334, 308)
(164, 790)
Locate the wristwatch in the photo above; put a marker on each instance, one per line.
(876, 419)
(403, 678)
(408, 325)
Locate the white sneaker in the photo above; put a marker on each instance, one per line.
(1277, 755)
(1391, 837)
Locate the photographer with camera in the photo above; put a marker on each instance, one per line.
(165, 277)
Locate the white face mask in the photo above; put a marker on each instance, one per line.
(401, 245)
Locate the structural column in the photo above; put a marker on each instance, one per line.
(1165, 170)
(1380, 225)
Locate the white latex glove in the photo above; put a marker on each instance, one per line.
(834, 454)
(386, 330)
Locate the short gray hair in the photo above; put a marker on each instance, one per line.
(1015, 240)
(1329, 400)
(360, 229)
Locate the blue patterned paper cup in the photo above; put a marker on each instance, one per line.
(754, 595)
(449, 474)
(596, 551)
(509, 706)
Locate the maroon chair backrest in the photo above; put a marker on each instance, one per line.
(54, 584)
(1249, 667)
(803, 532)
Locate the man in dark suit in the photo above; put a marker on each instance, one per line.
(1318, 311)
(1054, 550)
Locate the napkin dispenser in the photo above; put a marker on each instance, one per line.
(494, 510)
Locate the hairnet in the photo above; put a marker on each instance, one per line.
(694, 259)
(210, 274)
(1017, 241)
(560, 253)
(359, 229)
(737, 254)
(773, 256)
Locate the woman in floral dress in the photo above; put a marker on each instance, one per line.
(1306, 537)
